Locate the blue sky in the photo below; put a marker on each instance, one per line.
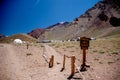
(22, 16)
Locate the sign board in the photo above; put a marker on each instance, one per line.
(84, 42)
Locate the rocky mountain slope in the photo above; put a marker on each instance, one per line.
(2, 36)
(101, 20)
(36, 33)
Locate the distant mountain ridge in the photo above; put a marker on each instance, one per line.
(38, 32)
(2, 36)
(100, 20)
(58, 24)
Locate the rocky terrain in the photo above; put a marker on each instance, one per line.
(2, 36)
(36, 33)
(21, 63)
(101, 20)
(31, 61)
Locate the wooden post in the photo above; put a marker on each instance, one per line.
(64, 59)
(52, 60)
(84, 57)
(64, 62)
(83, 66)
(27, 45)
(72, 65)
(51, 63)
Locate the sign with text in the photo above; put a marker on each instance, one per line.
(84, 42)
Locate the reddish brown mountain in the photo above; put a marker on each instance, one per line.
(36, 33)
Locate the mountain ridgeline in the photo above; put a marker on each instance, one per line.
(101, 20)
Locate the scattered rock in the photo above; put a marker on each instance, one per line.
(58, 62)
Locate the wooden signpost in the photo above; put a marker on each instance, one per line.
(84, 44)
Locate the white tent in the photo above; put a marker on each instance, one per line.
(18, 41)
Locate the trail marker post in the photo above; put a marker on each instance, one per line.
(84, 44)
(27, 45)
(64, 59)
(51, 63)
(72, 67)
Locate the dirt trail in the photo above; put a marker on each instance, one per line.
(19, 63)
(10, 68)
(54, 73)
